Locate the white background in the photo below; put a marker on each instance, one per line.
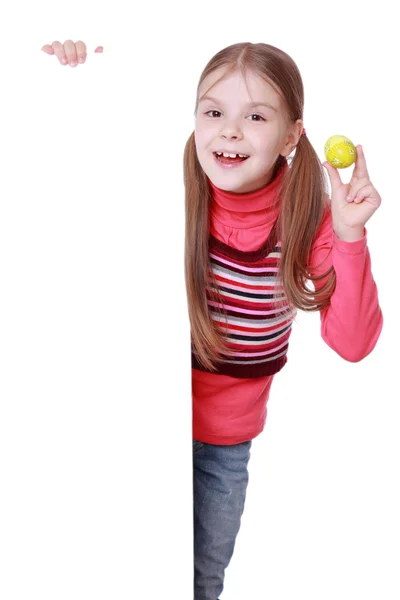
(95, 420)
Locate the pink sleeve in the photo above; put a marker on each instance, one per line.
(352, 322)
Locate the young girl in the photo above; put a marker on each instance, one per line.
(258, 231)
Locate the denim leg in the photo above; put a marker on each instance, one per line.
(220, 480)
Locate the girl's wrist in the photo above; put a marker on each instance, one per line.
(350, 234)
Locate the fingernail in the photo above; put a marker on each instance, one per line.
(349, 197)
(63, 60)
(81, 59)
(73, 63)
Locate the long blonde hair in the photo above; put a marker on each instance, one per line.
(302, 206)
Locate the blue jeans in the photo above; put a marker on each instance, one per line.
(220, 480)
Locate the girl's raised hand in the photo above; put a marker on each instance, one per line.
(69, 53)
(352, 203)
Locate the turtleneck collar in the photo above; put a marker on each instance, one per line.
(249, 209)
(249, 201)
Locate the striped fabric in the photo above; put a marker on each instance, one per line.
(255, 313)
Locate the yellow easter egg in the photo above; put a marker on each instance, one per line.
(340, 152)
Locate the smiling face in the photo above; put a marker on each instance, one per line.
(241, 116)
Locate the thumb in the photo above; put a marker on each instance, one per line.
(334, 176)
(47, 48)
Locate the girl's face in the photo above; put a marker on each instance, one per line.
(242, 117)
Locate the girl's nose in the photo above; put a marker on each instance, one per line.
(231, 131)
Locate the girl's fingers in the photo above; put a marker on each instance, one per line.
(360, 169)
(59, 52)
(334, 176)
(81, 51)
(70, 52)
(355, 187)
(363, 193)
(48, 49)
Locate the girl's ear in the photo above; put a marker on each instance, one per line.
(292, 139)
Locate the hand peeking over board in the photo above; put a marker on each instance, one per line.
(69, 53)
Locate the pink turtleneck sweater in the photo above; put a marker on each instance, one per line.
(227, 410)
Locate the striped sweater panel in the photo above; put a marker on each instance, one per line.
(248, 303)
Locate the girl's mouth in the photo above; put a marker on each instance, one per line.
(231, 159)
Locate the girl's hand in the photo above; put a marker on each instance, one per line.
(352, 203)
(69, 53)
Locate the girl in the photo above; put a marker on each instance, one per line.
(258, 231)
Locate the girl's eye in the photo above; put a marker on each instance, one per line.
(258, 118)
(215, 114)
